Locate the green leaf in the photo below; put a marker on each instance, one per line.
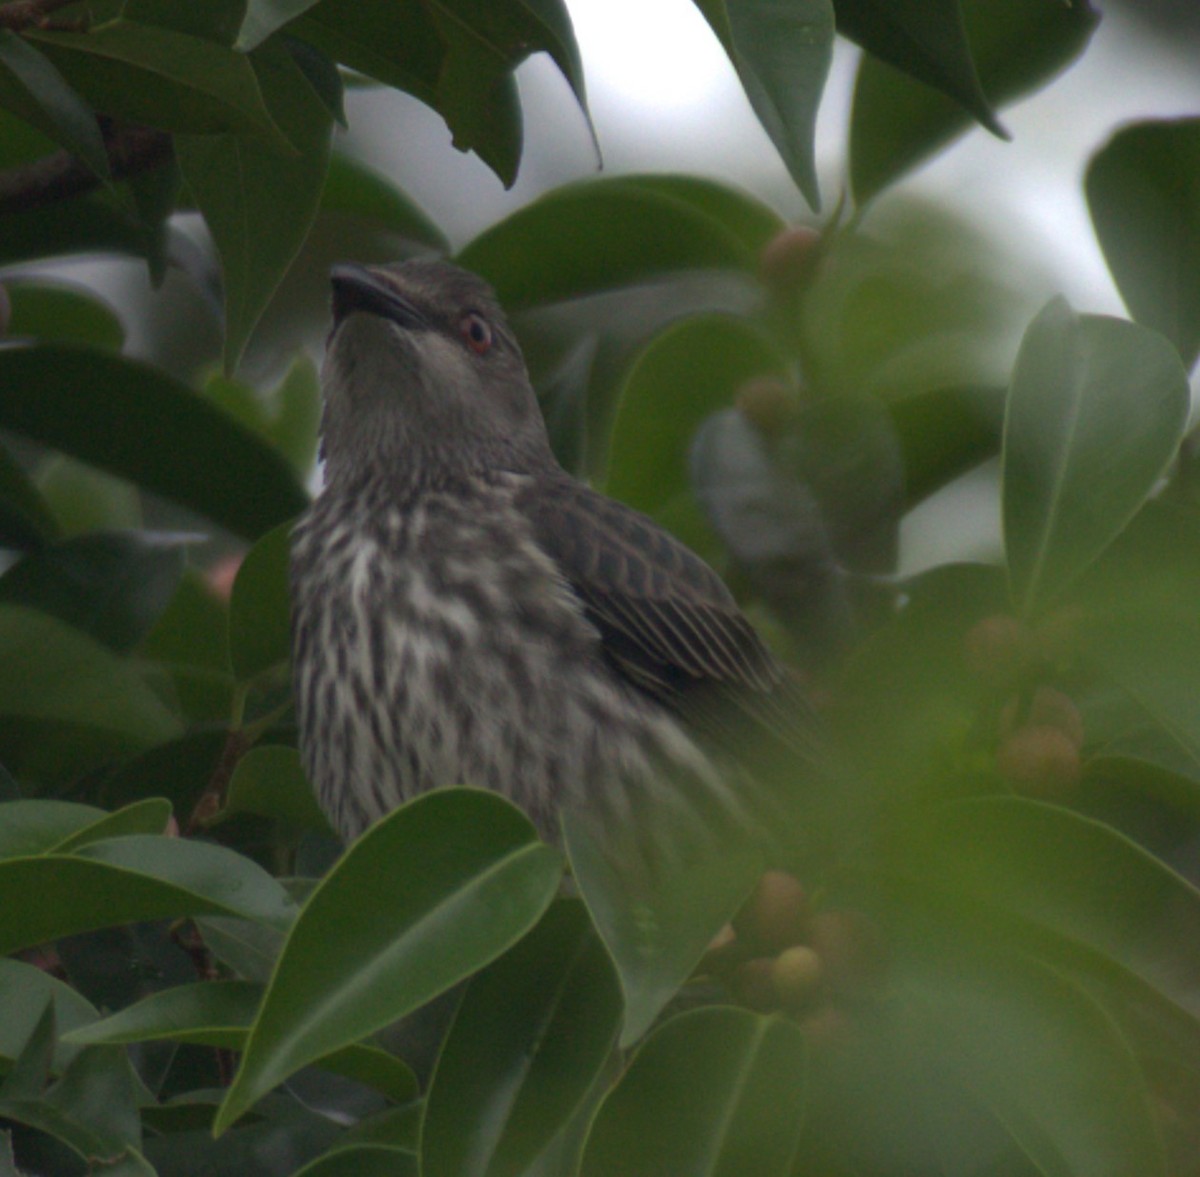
(781, 52)
(688, 372)
(896, 123)
(148, 816)
(26, 520)
(657, 919)
(927, 41)
(264, 17)
(601, 235)
(85, 500)
(1096, 411)
(132, 878)
(357, 191)
(530, 1038)
(31, 87)
(42, 310)
(259, 609)
(55, 673)
(1143, 189)
(714, 1091)
(35, 826)
(363, 1160)
(112, 586)
(259, 200)
(1040, 1055)
(25, 992)
(137, 422)
(215, 20)
(269, 781)
(435, 890)
(162, 78)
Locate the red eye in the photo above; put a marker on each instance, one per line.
(476, 332)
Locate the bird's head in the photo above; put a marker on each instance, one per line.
(423, 374)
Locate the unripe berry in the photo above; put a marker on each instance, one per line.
(1039, 761)
(788, 259)
(766, 402)
(776, 915)
(797, 975)
(1047, 708)
(997, 650)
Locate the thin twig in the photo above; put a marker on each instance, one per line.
(24, 14)
(59, 176)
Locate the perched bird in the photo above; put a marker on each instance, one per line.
(465, 612)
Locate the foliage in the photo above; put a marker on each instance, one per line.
(991, 966)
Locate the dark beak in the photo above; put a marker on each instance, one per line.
(357, 288)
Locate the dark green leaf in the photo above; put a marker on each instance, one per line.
(1096, 410)
(57, 311)
(259, 612)
(928, 41)
(215, 20)
(530, 1037)
(26, 520)
(137, 877)
(24, 994)
(35, 826)
(137, 422)
(85, 499)
(31, 1066)
(360, 192)
(34, 89)
(149, 816)
(111, 586)
(688, 372)
(264, 17)
(601, 235)
(712, 1092)
(258, 200)
(895, 122)
(657, 918)
(1143, 189)
(363, 1160)
(781, 53)
(270, 781)
(162, 78)
(432, 892)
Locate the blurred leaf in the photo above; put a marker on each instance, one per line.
(781, 53)
(215, 20)
(435, 890)
(602, 235)
(363, 1160)
(358, 191)
(86, 224)
(689, 371)
(155, 192)
(86, 500)
(322, 74)
(1096, 410)
(657, 917)
(259, 609)
(54, 672)
(529, 1039)
(713, 1091)
(25, 992)
(162, 78)
(136, 877)
(26, 520)
(1143, 189)
(259, 200)
(141, 424)
(264, 17)
(928, 41)
(194, 629)
(113, 586)
(270, 781)
(32, 88)
(42, 310)
(1018, 47)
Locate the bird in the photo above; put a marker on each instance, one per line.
(465, 612)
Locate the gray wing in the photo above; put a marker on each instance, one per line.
(666, 620)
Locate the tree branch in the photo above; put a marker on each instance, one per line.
(59, 176)
(21, 14)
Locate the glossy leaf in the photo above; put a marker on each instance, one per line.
(24, 993)
(259, 201)
(896, 123)
(781, 53)
(530, 1038)
(34, 89)
(43, 310)
(712, 1092)
(111, 586)
(600, 235)
(656, 919)
(162, 78)
(1096, 410)
(35, 826)
(141, 424)
(149, 816)
(269, 781)
(928, 41)
(137, 877)
(1143, 190)
(689, 371)
(259, 609)
(395, 923)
